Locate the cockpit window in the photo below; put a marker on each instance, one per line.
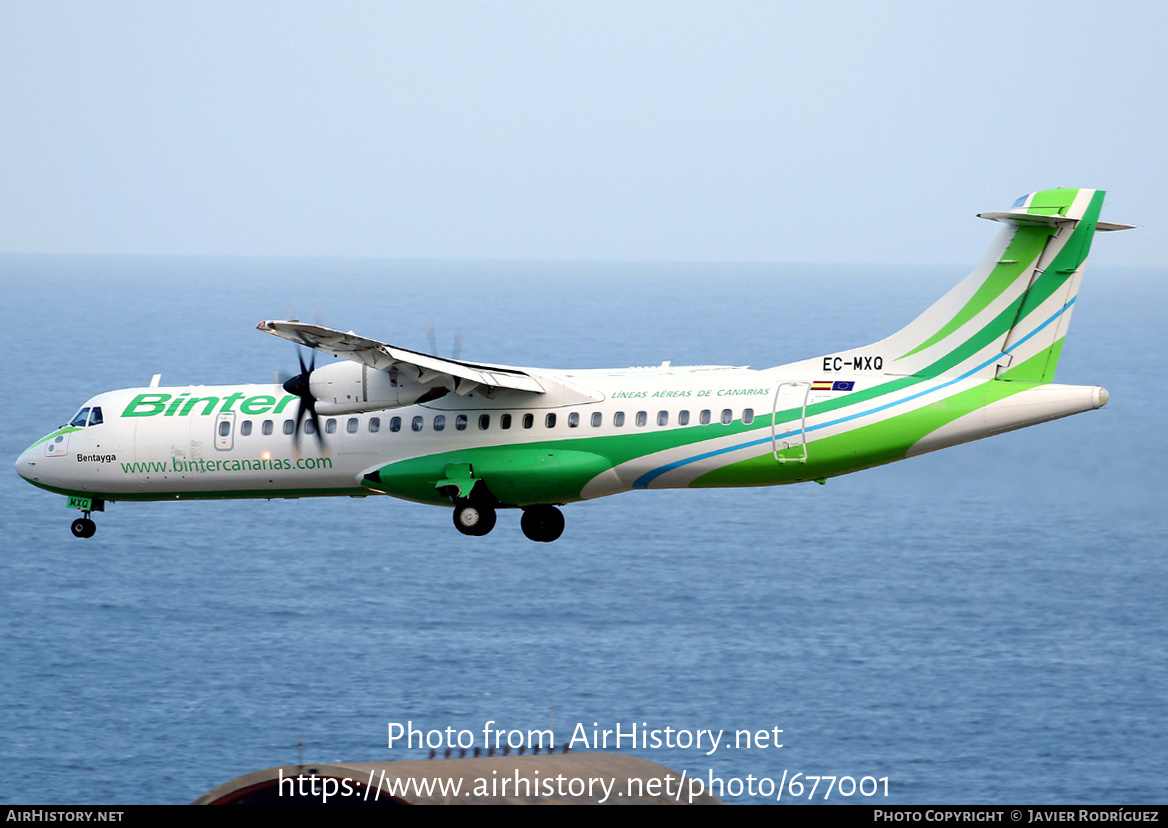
(81, 419)
(95, 416)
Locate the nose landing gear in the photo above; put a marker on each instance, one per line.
(83, 527)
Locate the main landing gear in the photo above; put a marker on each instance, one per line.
(542, 524)
(83, 527)
(474, 518)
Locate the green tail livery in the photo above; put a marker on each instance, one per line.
(477, 438)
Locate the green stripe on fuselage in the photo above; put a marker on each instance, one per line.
(58, 433)
(864, 447)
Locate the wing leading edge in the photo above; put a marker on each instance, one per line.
(453, 375)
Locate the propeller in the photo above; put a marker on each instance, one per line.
(299, 386)
(431, 337)
(455, 348)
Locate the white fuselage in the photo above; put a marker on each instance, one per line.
(238, 441)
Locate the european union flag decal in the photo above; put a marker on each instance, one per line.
(843, 385)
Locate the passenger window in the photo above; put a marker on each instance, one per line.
(748, 416)
(550, 421)
(330, 425)
(705, 417)
(642, 418)
(460, 422)
(374, 425)
(683, 418)
(573, 420)
(505, 422)
(662, 418)
(395, 424)
(352, 425)
(727, 416)
(484, 422)
(597, 419)
(224, 428)
(439, 422)
(95, 416)
(245, 428)
(416, 425)
(528, 420)
(81, 419)
(266, 428)
(618, 419)
(309, 427)
(289, 426)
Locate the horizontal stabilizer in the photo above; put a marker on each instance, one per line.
(1025, 219)
(1028, 219)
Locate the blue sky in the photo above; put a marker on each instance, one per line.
(828, 132)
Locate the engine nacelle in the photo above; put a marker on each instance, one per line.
(352, 388)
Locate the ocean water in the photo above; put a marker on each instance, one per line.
(985, 624)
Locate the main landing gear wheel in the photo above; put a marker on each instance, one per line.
(542, 524)
(84, 528)
(474, 519)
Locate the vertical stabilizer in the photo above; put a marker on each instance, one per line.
(1008, 318)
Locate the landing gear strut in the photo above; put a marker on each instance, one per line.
(83, 527)
(542, 524)
(475, 519)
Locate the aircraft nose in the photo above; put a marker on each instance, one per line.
(26, 465)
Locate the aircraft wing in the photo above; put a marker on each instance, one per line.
(451, 374)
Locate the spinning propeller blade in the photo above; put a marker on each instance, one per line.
(299, 386)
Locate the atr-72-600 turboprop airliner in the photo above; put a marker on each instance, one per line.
(479, 438)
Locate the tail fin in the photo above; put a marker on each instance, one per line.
(1009, 317)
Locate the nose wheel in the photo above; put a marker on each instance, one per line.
(83, 527)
